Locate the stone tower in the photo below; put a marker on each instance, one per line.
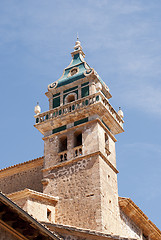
(79, 148)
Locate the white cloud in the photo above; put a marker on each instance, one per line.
(123, 28)
(145, 98)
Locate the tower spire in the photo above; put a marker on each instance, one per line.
(77, 44)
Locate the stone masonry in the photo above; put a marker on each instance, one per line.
(73, 189)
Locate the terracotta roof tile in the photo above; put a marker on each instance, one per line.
(20, 164)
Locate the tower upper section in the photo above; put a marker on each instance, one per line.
(77, 69)
(79, 93)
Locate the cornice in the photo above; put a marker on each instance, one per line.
(76, 159)
(31, 193)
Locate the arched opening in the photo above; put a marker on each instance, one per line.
(70, 98)
(63, 144)
(77, 138)
(77, 143)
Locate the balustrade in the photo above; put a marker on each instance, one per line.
(78, 151)
(63, 156)
(78, 104)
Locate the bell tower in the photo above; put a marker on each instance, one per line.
(79, 147)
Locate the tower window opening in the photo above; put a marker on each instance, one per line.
(77, 143)
(106, 142)
(56, 102)
(71, 98)
(84, 91)
(63, 144)
(77, 139)
(48, 214)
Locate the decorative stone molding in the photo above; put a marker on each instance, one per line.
(89, 72)
(52, 85)
(73, 71)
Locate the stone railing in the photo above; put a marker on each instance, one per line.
(78, 151)
(79, 104)
(62, 156)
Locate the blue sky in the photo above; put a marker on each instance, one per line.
(122, 41)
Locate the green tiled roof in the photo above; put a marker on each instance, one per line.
(77, 62)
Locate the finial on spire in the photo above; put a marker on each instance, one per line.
(78, 48)
(77, 44)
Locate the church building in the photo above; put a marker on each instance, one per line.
(71, 192)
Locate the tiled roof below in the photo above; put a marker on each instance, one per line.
(21, 166)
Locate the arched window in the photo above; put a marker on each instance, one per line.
(70, 97)
(62, 144)
(77, 138)
(77, 143)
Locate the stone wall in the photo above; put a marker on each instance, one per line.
(78, 187)
(109, 198)
(87, 188)
(25, 176)
(37, 208)
(128, 227)
(5, 235)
